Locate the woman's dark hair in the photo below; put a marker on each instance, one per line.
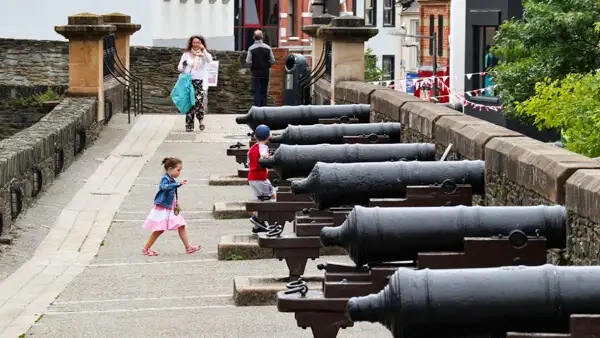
(189, 43)
(170, 162)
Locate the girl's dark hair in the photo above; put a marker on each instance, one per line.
(170, 162)
(189, 43)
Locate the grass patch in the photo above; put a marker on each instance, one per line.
(35, 100)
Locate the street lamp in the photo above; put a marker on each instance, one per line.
(433, 38)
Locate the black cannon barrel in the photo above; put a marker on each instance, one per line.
(491, 301)
(298, 160)
(344, 184)
(396, 234)
(334, 133)
(281, 117)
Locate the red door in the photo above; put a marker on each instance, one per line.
(256, 14)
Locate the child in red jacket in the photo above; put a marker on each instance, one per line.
(258, 177)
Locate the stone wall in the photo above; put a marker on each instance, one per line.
(31, 159)
(34, 62)
(157, 67)
(519, 170)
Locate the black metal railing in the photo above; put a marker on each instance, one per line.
(319, 70)
(108, 60)
(327, 73)
(133, 96)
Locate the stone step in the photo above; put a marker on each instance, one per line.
(230, 210)
(253, 291)
(227, 180)
(245, 247)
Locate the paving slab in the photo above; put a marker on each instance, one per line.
(262, 290)
(101, 286)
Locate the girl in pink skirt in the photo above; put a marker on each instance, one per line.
(165, 214)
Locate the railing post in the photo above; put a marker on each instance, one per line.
(125, 29)
(318, 44)
(348, 35)
(85, 32)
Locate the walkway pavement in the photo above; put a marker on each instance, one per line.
(76, 269)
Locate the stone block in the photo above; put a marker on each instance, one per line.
(583, 194)
(355, 92)
(468, 134)
(241, 247)
(253, 291)
(227, 180)
(389, 102)
(245, 247)
(534, 165)
(422, 116)
(230, 210)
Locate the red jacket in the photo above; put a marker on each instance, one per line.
(256, 173)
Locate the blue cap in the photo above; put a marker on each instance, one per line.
(262, 132)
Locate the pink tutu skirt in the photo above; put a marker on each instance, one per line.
(161, 218)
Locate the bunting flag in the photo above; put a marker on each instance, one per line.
(417, 82)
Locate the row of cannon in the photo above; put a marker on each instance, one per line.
(426, 262)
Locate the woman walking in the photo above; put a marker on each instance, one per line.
(194, 61)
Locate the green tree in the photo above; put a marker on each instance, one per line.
(372, 72)
(554, 38)
(571, 105)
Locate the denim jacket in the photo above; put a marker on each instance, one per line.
(166, 191)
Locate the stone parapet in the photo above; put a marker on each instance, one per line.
(519, 170)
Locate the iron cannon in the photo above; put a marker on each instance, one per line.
(375, 235)
(280, 117)
(487, 302)
(349, 184)
(334, 133)
(298, 160)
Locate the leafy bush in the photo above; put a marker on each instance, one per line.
(372, 72)
(554, 38)
(571, 105)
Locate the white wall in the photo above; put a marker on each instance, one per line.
(382, 43)
(409, 54)
(163, 22)
(35, 19)
(458, 23)
(175, 22)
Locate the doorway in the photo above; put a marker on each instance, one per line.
(251, 15)
(483, 36)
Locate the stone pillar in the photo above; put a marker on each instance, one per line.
(318, 43)
(125, 29)
(347, 35)
(85, 32)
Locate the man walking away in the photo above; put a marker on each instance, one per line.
(260, 59)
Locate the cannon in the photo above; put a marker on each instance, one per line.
(342, 184)
(280, 117)
(399, 234)
(335, 133)
(298, 160)
(487, 301)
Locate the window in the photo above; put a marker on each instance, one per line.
(388, 67)
(414, 58)
(371, 12)
(440, 36)
(431, 31)
(291, 24)
(388, 13)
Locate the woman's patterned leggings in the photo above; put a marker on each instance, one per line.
(198, 109)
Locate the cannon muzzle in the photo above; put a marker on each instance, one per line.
(482, 301)
(267, 162)
(241, 119)
(399, 234)
(299, 187)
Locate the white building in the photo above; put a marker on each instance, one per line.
(381, 14)
(164, 22)
(407, 47)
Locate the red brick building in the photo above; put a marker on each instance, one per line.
(280, 20)
(434, 17)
